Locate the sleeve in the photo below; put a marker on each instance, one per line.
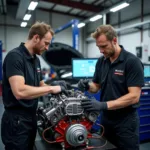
(134, 73)
(96, 77)
(14, 65)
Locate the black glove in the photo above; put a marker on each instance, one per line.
(63, 89)
(93, 105)
(83, 85)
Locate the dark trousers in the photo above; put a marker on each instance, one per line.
(18, 131)
(123, 132)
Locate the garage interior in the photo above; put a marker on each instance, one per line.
(73, 21)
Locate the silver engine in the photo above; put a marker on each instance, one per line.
(66, 118)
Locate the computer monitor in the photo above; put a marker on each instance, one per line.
(83, 68)
(147, 70)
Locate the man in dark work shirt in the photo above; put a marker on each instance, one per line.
(22, 85)
(119, 75)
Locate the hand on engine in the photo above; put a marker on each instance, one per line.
(63, 89)
(83, 85)
(62, 85)
(93, 105)
(55, 89)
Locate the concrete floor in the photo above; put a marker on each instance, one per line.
(40, 145)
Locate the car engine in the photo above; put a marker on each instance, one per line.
(63, 120)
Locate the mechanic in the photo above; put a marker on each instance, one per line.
(22, 86)
(119, 75)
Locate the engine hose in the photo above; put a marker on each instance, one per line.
(97, 137)
(43, 135)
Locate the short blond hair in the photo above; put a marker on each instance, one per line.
(40, 28)
(107, 30)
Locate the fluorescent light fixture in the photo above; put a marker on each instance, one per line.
(27, 17)
(96, 18)
(80, 25)
(32, 5)
(23, 24)
(66, 75)
(123, 5)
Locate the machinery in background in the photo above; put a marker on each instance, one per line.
(59, 57)
(142, 53)
(63, 120)
(83, 68)
(147, 75)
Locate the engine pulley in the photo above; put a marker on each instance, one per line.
(76, 134)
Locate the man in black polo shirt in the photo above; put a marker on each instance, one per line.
(119, 75)
(22, 85)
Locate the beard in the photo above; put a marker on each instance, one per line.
(37, 50)
(110, 53)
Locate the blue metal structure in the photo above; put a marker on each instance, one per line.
(0, 60)
(144, 114)
(75, 32)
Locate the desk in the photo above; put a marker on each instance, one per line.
(42, 145)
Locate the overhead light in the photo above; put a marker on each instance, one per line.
(95, 18)
(23, 24)
(32, 5)
(80, 25)
(66, 75)
(27, 17)
(123, 5)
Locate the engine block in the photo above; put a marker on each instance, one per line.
(63, 120)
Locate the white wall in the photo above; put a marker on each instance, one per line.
(130, 41)
(93, 51)
(129, 16)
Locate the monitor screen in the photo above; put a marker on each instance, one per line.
(146, 70)
(83, 68)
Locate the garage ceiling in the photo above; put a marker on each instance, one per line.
(77, 8)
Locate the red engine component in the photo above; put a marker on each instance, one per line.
(64, 124)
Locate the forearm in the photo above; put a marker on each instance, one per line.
(30, 92)
(38, 95)
(33, 97)
(124, 101)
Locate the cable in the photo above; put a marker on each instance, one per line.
(97, 137)
(43, 135)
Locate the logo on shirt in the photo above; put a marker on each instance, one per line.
(119, 72)
(38, 70)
